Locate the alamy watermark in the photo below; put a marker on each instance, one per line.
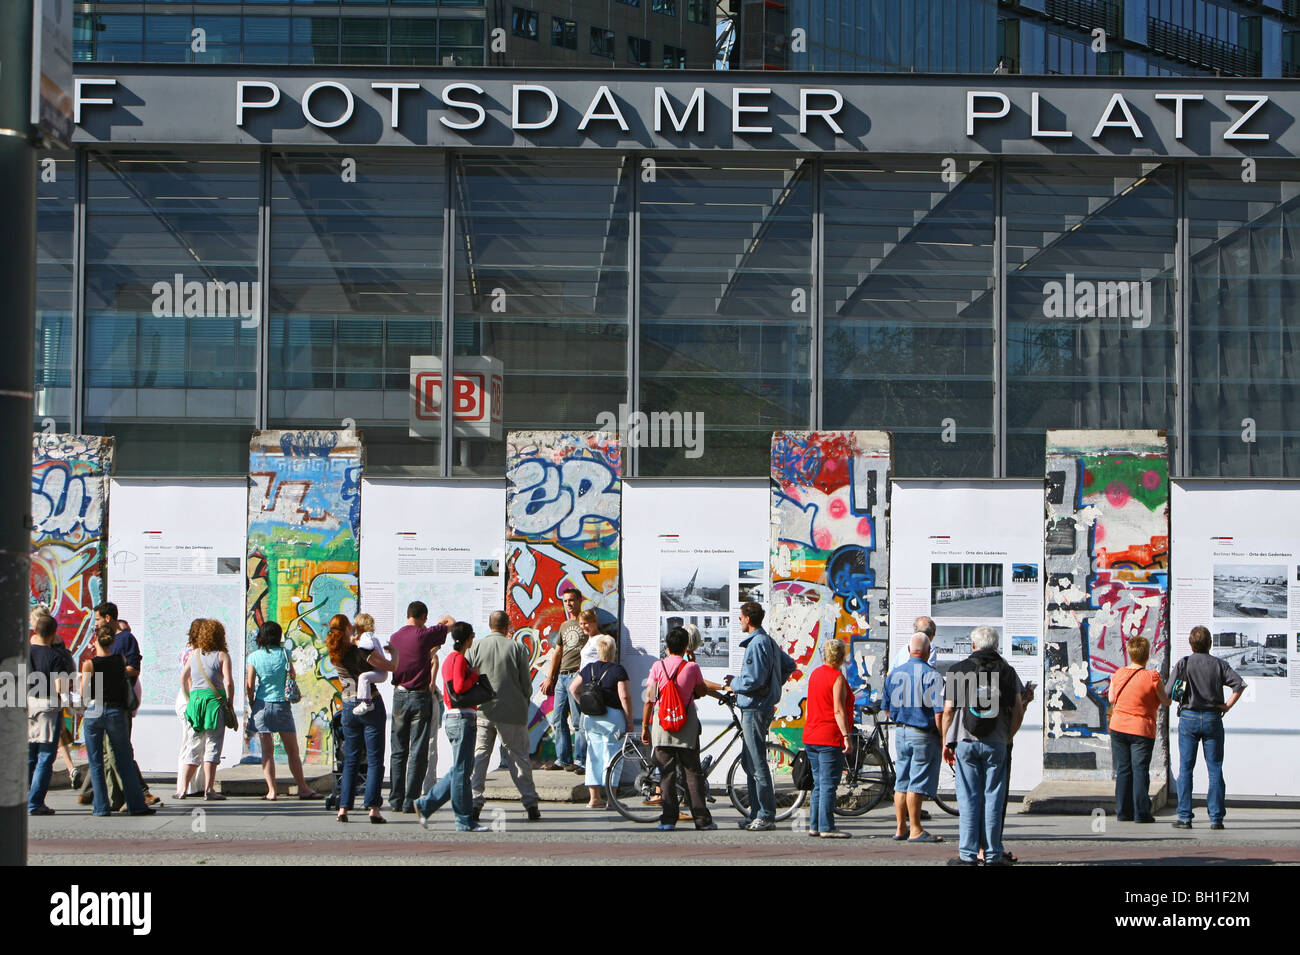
(1089, 299)
(212, 299)
(656, 429)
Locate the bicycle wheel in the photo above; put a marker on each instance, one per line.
(630, 783)
(788, 797)
(865, 781)
(946, 796)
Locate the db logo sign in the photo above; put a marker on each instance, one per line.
(476, 397)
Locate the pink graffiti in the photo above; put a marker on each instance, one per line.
(1151, 480)
(864, 531)
(1117, 494)
(823, 539)
(838, 508)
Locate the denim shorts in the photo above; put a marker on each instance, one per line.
(919, 754)
(272, 717)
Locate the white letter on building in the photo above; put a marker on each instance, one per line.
(737, 109)
(1035, 129)
(448, 100)
(242, 104)
(1259, 99)
(972, 114)
(826, 114)
(1128, 122)
(311, 91)
(696, 104)
(80, 101)
(614, 113)
(554, 111)
(1178, 99)
(394, 90)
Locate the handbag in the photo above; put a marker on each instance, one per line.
(478, 694)
(801, 773)
(590, 699)
(1179, 691)
(132, 697)
(291, 692)
(227, 711)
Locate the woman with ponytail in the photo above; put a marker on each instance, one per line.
(359, 730)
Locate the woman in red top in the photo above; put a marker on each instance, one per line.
(827, 728)
(1135, 693)
(461, 726)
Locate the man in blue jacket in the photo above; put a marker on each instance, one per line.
(758, 690)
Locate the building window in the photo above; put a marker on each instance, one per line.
(699, 11)
(564, 33)
(602, 42)
(524, 23)
(555, 236)
(667, 7)
(355, 292)
(638, 51)
(55, 206)
(674, 58)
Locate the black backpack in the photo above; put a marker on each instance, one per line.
(982, 708)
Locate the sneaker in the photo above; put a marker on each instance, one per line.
(744, 823)
(960, 861)
(1000, 861)
(761, 825)
(40, 811)
(837, 834)
(420, 814)
(474, 829)
(1216, 825)
(534, 814)
(1182, 825)
(362, 708)
(667, 827)
(711, 827)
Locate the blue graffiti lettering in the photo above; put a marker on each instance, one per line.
(851, 577)
(545, 497)
(304, 444)
(794, 461)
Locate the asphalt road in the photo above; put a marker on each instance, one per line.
(988, 607)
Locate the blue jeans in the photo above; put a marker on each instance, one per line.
(365, 730)
(1132, 758)
(753, 758)
(412, 720)
(827, 763)
(570, 741)
(40, 766)
(604, 734)
(1197, 727)
(981, 792)
(112, 723)
(461, 730)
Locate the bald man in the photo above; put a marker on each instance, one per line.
(914, 700)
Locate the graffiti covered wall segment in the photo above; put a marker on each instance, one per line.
(70, 479)
(829, 558)
(304, 516)
(1107, 580)
(564, 495)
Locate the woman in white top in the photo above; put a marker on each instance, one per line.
(191, 745)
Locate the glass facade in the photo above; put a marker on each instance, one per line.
(965, 307)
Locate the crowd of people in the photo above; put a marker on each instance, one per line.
(967, 718)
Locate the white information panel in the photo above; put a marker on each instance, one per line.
(970, 554)
(175, 553)
(440, 543)
(1236, 571)
(692, 553)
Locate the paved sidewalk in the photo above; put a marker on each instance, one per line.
(246, 830)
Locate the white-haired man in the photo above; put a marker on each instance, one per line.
(914, 699)
(924, 626)
(984, 704)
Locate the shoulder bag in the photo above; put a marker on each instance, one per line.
(227, 711)
(291, 692)
(1180, 689)
(478, 694)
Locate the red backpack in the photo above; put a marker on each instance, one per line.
(672, 711)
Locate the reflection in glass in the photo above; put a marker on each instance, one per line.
(1090, 301)
(726, 283)
(541, 264)
(356, 290)
(56, 189)
(172, 376)
(908, 305)
(1244, 320)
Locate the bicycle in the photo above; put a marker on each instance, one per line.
(869, 773)
(639, 801)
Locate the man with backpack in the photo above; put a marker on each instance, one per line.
(984, 704)
(758, 690)
(1200, 722)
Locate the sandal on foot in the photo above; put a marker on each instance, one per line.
(926, 837)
